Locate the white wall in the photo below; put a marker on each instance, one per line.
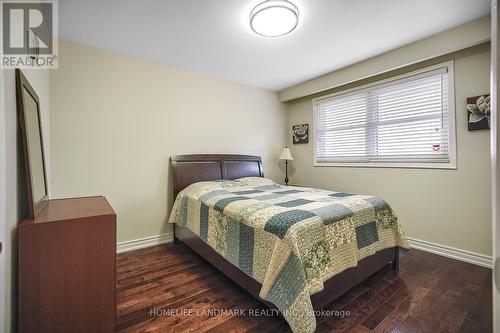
(116, 120)
(12, 179)
(448, 207)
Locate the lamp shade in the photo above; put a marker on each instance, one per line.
(286, 155)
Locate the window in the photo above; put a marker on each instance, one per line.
(406, 121)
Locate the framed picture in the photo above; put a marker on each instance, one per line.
(28, 110)
(478, 112)
(300, 133)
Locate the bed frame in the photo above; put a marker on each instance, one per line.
(189, 169)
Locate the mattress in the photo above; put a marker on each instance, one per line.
(290, 239)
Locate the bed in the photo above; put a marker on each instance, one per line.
(295, 249)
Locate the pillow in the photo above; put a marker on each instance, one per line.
(256, 181)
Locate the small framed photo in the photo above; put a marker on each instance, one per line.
(478, 112)
(300, 133)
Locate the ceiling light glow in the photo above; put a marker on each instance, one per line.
(273, 18)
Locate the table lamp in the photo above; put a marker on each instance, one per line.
(287, 156)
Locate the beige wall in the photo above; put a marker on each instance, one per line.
(448, 207)
(463, 36)
(13, 204)
(117, 119)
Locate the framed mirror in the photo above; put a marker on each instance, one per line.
(28, 111)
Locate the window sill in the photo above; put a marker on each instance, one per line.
(446, 166)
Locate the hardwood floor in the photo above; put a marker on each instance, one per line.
(430, 294)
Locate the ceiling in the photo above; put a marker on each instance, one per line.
(214, 37)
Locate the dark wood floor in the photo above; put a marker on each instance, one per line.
(430, 294)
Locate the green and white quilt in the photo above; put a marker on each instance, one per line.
(289, 239)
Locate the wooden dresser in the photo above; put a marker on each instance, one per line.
(67, 267)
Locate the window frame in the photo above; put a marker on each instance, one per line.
(452, 143)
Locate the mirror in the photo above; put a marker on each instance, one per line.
(28, 107)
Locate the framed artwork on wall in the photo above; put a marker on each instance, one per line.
(300, 133)
(478, 112)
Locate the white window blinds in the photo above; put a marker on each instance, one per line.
(405, 120)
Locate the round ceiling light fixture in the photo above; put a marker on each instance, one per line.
(273, 18)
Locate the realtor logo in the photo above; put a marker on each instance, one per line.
(29, 34)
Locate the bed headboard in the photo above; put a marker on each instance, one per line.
(189, 169)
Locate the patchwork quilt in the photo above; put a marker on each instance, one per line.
(289, 239)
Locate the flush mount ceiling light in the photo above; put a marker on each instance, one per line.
(273, 18)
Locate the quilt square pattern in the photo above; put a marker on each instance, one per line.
(281, 222)
(366, 234)
(340, 194)
(289, 239)
(294, 203)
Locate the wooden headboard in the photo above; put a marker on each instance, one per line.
(189, 169)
